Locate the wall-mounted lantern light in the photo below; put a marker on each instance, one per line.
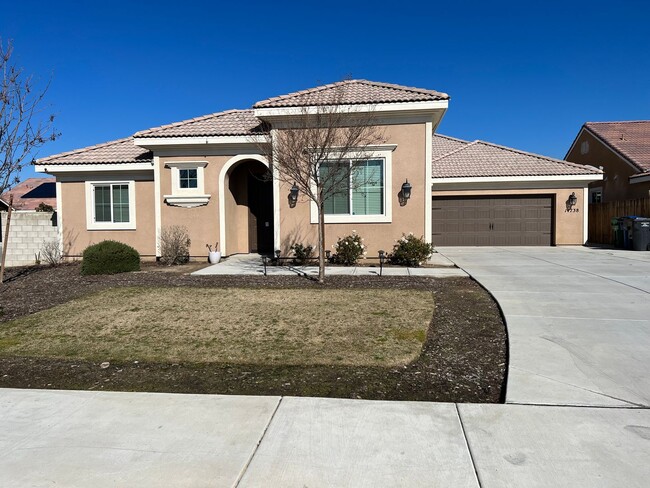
(293, 195)
(571, 201)
(328, 255)
(406, 190)
(405, 193)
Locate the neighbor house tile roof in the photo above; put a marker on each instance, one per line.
(484, 159)
(353, 92)
(631, 139)
(29, 194)
(119, 151)
(228, 123)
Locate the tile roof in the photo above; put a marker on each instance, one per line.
(631, 139)
(351, 92)
(30, 193)
(445, 144)
(484, 159)
(228, 123)
(119, 151)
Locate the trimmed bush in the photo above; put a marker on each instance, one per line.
(411, 251)
(349, 249)
(302, 253)
(109, 257)
(174, 245)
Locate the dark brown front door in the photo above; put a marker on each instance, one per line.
(516, 220)
(260, 215)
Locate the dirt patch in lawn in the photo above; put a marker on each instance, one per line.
(463, 357)
(229, 325)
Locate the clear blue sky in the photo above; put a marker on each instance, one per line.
(524, 74)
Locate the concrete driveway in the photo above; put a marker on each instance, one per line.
(578, 321)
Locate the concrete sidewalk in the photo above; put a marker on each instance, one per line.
(104, 439)
(252, 264)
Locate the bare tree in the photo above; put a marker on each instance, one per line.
(316, 149)
(23, 128)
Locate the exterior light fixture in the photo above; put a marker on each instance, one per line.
(293, 195)
(382, 258)
(406, 190)
(571, 201)
(277, 253)
(328, 255)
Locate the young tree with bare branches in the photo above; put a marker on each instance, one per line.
(23, 126)
(321, 151)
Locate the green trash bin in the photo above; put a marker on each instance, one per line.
(618, 229)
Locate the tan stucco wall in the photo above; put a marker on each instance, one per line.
(408, 161)
(202, 222)
(568, 227)
(617, 170)
(76, 236)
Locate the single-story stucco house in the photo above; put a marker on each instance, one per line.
(204, 173)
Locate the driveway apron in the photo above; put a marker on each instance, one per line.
(578, 321)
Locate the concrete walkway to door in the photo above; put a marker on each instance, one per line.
(578, 321)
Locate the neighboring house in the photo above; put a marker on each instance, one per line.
(29, 194)
(622, 149)
(204, 173)
(29, 228)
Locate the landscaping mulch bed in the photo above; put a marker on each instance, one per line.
(463, 358)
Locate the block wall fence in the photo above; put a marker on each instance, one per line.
(27, 233)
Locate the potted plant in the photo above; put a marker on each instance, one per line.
(213, 256)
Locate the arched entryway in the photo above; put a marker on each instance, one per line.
(247, 206)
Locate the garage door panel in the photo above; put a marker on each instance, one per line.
(492, 221)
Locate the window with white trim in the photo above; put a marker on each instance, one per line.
(360, 187)
(110, 205)
(364, 188)
(188, 183)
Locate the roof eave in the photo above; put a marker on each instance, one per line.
(395, 108)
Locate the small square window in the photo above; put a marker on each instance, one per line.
(188, 178)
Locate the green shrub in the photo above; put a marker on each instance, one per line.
(109, 257)
(411, 251)
(302, 253)
(349, 249)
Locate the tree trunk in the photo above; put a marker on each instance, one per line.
(321, 240)
(5, 244)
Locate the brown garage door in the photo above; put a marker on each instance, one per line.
(492, 221)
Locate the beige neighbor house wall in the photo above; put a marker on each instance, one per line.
(616, 185)
(408, 161)
(75, 233)
(568, 227)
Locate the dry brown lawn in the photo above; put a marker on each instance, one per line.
(379, 327)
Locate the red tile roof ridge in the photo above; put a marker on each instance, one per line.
(328, 86)
(539, 156)
(83, 149)
(619, 122)
(144, 132)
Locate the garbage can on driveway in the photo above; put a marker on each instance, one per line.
(641, 234)
(626, 225)
(617, 230)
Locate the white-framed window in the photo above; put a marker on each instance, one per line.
(188, 183)
(364, 189)
(110, 205)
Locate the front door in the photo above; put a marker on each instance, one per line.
(260, 215)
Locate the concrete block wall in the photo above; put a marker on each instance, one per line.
(27, 233)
